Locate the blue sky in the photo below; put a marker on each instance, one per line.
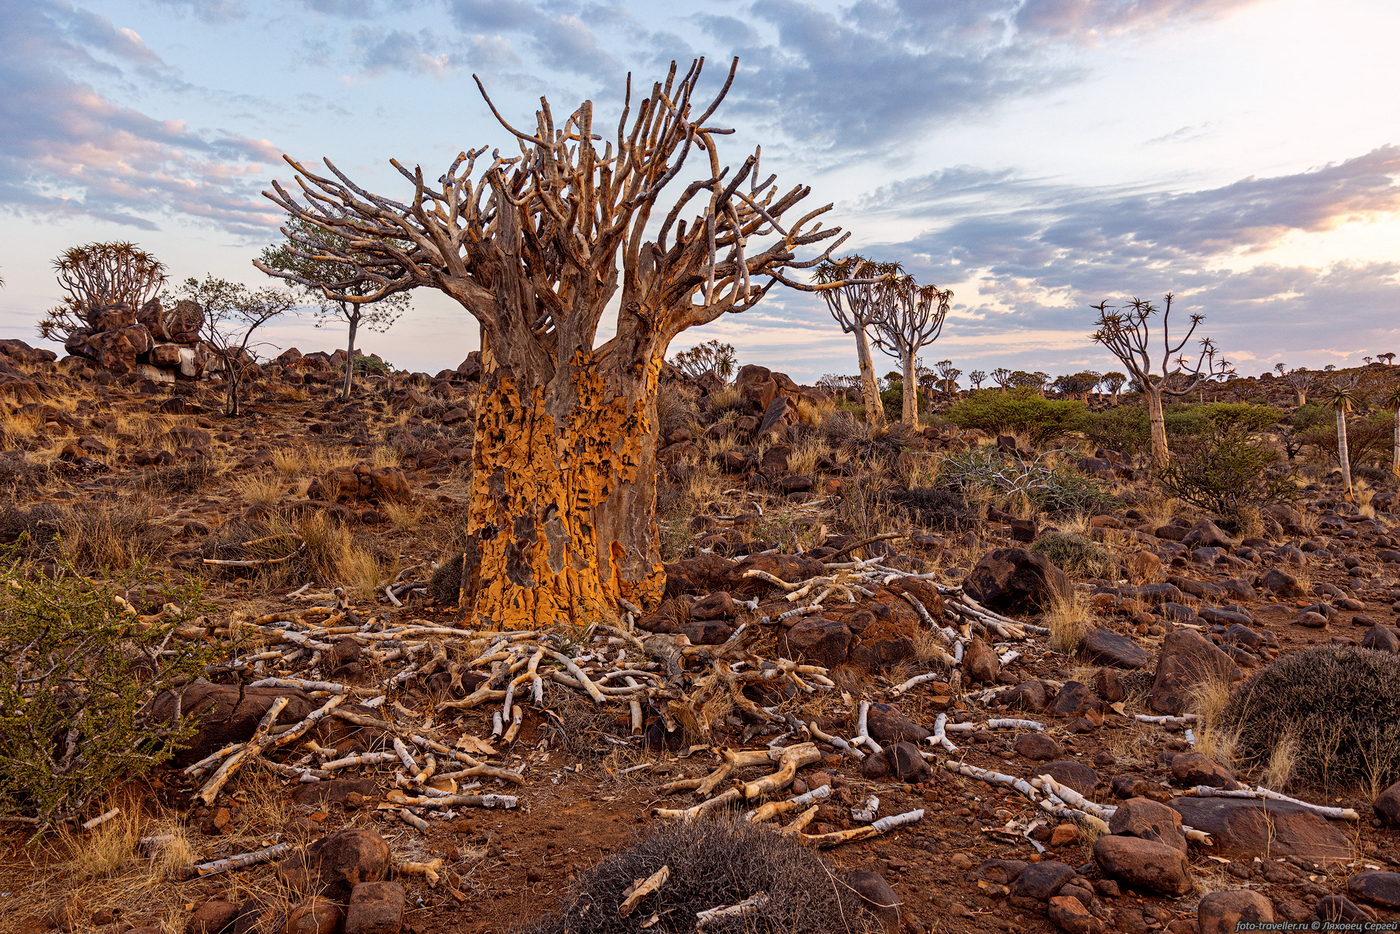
(1035, 156)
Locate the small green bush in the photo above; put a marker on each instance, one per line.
(1336, 706)
(1227, 474)
(1076, 555)
(713, 865)
(1186, 421)
(1019, 410)
(77, 673)
(1123, 428)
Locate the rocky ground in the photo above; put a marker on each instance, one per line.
(772, 492)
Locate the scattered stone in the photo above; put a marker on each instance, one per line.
(1376, 887)
(1223, 912)
(375, 908)
(315, 915)
(877, 895)
(1148, 820)
(1187, 659)
(1016, 581)
(1145, 864)
(1242, 827)
(821, 641)
(1340, 908)
(1042, 880)
(1069, 915)
(1279, 582)
(1036, 746)
(1106, 647)
(211, 917)
(981, 663)
(1190, 769)
(1387, 805)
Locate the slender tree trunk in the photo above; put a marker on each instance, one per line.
(561, 516)
(350, 358)
(911, 391)
(1344, 452)
(1158, 419)
(869, 385)
(1301, 397)
(1395, 446)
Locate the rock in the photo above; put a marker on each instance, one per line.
(1069, 915)
(1341, 908)
(1016, 581)
(718, 605)
(790, 568)
(1042, 880)
(701, 574)
(1148, 820)
(1145, 864)
(1076, 699)
(1187, 659)
(820, 640)
(1206, 534)
(1028, 695)
(759, 386)
(180, 323)
(315, 915)
(340, 862)
(1001, 871)
(1076, 775)
(1037, 747)
(333, 791)
(362, 483)
(877, 895)
(1222, 912)
(707, 631)
(1387, 805)
(1279, 582)
(20, 352)
(1381, 638)
(907, 764)
(1376, 887)
(225, 713)
(887, 726)
(211, 917)
(777, 416)
(981, 663)
(1106, 647)
(375, 908)
(1248, 828)
(1191, 768)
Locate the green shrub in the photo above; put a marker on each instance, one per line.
(1123, 428)
(1335, 709)
(79, 672)
(1227, 474)
(1186, 421)
(1019, 410)
(1076, 555)
(712, 865)
(1369, 437)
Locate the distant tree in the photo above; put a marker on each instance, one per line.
(708, 359)
(1024, 379)
(1077, 385)
(853, 307)
(1002, 377)
(1365, 360)
(977, 378)
(907, 318)
(1341, 396)
(97, 278)
(1113, 381)
(840, 384)
(948, 374)
(1127, 332)
(1300, 381)
(333, 286)
(1387, 358)
(232, 313)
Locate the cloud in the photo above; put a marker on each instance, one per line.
(66, 148)
(1031, 254)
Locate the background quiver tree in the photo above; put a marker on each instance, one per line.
(560, 525)
(1341, 397)
(318, 273)
(710, 360)
(1127, 332)
(1113, 381)
(1299, 380)
(907, 318)
(104, 287)
(853, 306)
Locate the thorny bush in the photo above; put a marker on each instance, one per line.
(78, 670)
(1040, 481)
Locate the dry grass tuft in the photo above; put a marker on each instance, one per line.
(1207, 700)
(1068, 619)
(108, 537)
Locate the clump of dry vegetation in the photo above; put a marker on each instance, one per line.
(1330, 713)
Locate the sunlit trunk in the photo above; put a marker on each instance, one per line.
(1157, 417)
(869, 385)
(911, 391)
(1343, 451)
(349, 359)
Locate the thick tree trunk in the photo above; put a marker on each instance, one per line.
(1344, 452)
(869, 385)
(1300, 397)
(1158, 419)
(911, 391)
(349, 359)
(561, 519)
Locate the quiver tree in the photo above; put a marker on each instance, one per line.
(1392, 402)
(1002, 377)
(1113, 381)
(907, 318)
(948, 376)
(1299, 380)
(560, 524)
(104, 286)
(708, 360)
(316, 272)
(977, 378)
(1127, 332)
(853, 306)
(1341, 396)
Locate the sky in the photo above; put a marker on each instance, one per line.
(1035, 156)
